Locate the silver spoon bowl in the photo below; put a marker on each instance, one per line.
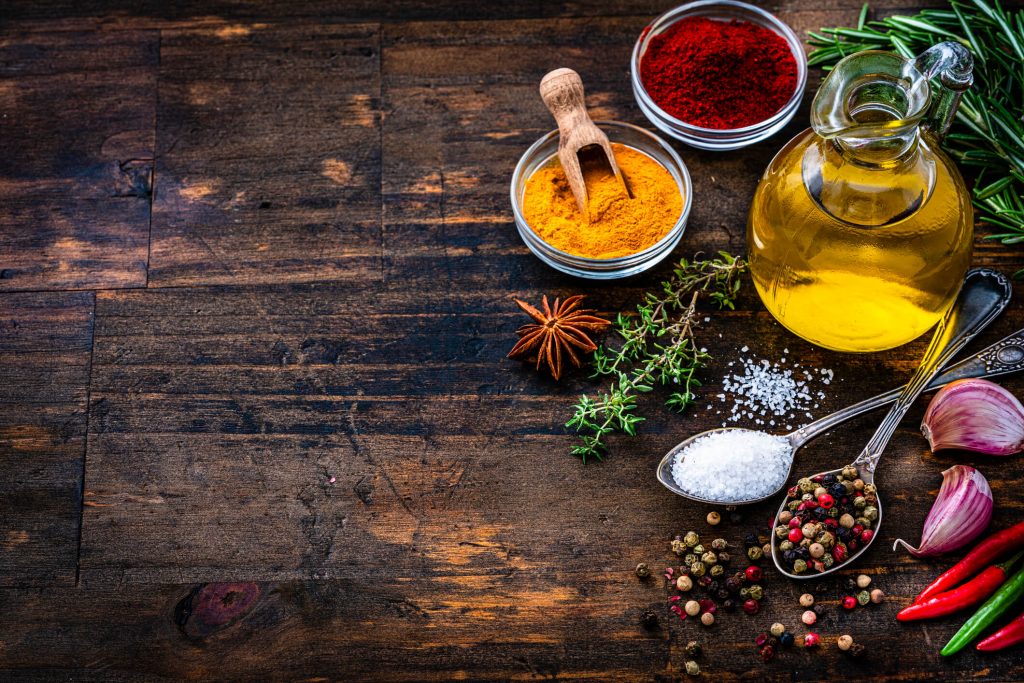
(1003, 357)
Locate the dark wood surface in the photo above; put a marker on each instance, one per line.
(257, 263)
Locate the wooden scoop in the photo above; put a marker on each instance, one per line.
(562, 92)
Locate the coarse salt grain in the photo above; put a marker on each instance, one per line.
(733, 465)
(760, 388)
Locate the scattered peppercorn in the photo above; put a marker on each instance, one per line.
(719, 544)
(684, 583)
(643, 571)
(844, 642)
(777, 629)
(767, 652)
(678, 546)
(811, 639)
(849, 602)
(751, 606)
(648, 619)
(809, 617)
(756, 592)
(863, 598)
(819, 609)
(714, 518)
(806, 600)
(856, 650)
(755, 553)
(877, 596)
(693, 649)
(707, 618)
(863, 581)
(692, 668)
(753, 574)
(786, 640)
(692, 608)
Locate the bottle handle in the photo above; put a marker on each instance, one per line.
(953, 65)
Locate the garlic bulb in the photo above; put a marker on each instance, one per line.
(975, 415)
(959, 514)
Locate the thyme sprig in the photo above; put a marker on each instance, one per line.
(988, 133)
(658, 348)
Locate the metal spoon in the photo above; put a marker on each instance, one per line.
(983, 297)
(1003, 357)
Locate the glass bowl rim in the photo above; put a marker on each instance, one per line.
(684, 185)
(762, 18)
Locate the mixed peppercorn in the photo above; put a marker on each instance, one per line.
(827, 520)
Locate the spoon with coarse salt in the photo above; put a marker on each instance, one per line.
(737, 466)
(562, 92)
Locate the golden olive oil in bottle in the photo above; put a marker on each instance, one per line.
(860, 232)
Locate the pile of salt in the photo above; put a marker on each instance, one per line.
(733, 465)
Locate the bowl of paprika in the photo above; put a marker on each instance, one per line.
(624, 230)
(718, 74)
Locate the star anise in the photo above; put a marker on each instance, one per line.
(560, 330)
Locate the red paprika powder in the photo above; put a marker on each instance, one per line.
(719, 74)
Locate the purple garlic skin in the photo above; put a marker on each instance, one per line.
(975, 415)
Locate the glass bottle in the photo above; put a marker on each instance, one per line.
(861, 229)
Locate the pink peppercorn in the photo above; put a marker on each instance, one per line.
(751, 606)
(795, 535)
(849, 602)
(795, 523)
(753, 574)
(839, 553)
(811, 639)
(867, 535)
(767, 653)
(809, 617)
(826, 501)
(761, 639)
(707, 605)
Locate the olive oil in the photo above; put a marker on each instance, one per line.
(851, 271)
(861, 229)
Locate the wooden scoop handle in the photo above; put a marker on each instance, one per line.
(562, 92)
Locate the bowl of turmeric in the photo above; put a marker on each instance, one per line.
(623, 230)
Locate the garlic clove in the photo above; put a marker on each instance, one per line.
(975, 415)
(961, 511)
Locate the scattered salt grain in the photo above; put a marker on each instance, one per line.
(733, 465)
(760, 388)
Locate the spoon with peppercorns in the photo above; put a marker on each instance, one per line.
(684, 469)
(831, 518)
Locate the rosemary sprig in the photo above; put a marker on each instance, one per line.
(988, 133)
(658, 347)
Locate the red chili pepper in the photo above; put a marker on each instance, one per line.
(971, 593)
(1011, 634)
(996, 545)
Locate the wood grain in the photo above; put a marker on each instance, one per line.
(75, 173)
(45, 343)
(269, 166)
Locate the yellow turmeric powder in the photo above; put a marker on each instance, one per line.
(618, 225)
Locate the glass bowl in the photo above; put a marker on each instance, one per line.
(714, 138)
(613, 268)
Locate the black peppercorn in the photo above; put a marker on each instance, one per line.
(851, 584)
(819, 609)
(789, 556)
(773, 641)
(828, 480)
(729, 605)
(693, 649)
(837, 491)
(722, 594)
(648, 619)
(750, 539)
(713, 586)
(786, 640)
(856, 650)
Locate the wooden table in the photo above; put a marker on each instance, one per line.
(257, 263)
